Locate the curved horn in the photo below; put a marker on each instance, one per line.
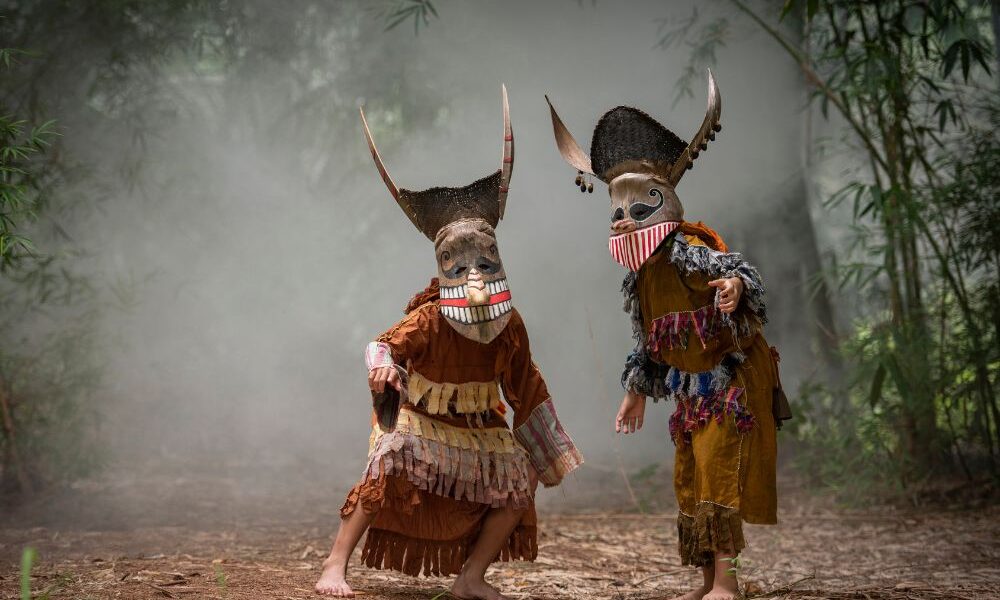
(401, 201)
(706, 133)
(568, 147)
(507, 162)
(378, 160)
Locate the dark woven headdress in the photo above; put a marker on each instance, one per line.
(432, 209)
(627, 134)
(627, 140)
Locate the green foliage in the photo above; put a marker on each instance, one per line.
(913, 83)
(397, 12)
(27, 560)
(22, 148)
(702, 40)
(117, 74)
(736, 564)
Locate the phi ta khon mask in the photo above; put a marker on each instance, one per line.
(642, 162)
(475, 297)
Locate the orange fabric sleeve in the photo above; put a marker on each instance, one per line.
(522, 382)
(407, 339)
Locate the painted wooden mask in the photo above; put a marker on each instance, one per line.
(642, 162)
(475, 298)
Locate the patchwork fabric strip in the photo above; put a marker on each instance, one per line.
(550, 449)
(458, 398)
(673, 330)
(695, 412)
(482, 465)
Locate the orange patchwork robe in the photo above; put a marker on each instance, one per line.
(451, 456)
(723, 376)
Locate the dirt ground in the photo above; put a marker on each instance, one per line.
(818, 551)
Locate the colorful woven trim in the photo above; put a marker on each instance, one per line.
(673, 330)
(552, 452)
(695, 412)
(458, 398)
(480, 465)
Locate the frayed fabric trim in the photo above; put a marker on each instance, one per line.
(458, 398)
(688, 257)
(644, 375)
(694, 413)
(673, 330)
(713, 529)
(412, 556)
(476, 474)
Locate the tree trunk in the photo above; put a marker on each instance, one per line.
(12, 460)
(996, 33)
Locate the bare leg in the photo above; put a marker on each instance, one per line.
(708, 574)
(333, 580)
(471, 583)
(724, 585)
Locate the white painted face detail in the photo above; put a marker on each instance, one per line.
(472, 315)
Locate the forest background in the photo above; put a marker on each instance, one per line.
(195, 247)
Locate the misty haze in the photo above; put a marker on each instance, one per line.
(182, 341)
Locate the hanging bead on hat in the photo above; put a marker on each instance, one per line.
(583, 182)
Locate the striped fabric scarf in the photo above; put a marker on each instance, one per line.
(632, 249)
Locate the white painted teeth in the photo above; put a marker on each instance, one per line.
(453, 292)
(475, 314)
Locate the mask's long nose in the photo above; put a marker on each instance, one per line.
(475, 289)
(625, 225)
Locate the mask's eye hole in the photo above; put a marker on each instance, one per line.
(487, 266)
(618, 215)
(456, 271)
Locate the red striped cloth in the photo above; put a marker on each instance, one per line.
(632, 249)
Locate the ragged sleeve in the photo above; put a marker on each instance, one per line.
(536, 425)
(751, 313)
(641, 375)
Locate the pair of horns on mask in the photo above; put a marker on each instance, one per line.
(575, 155)
(413, 203)
(568, 147)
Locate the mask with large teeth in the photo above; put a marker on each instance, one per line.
(475, 298)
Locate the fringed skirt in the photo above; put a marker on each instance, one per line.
(430, 485)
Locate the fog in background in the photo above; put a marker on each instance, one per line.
(255, 251)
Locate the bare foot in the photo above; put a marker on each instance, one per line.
(333, 581)
(470, 588)
(698, 594)
(718, 593)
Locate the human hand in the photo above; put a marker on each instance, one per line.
(630, 415)
(730, 290)
(379, 376)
